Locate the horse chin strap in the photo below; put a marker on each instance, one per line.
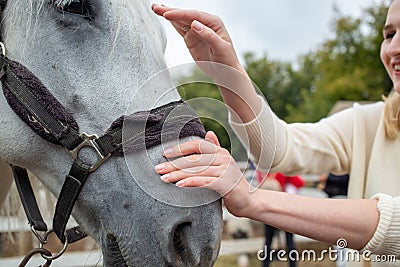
(39, 109)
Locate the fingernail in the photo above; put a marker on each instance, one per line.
(165, 176)
(159, 167)
(197, 26)
(167, 151)
(180, 183)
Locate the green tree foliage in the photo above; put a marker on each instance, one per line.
(275, 81)
(203, 95)
(344, 67)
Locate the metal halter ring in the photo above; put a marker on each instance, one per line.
(57, 255)
(41, 239)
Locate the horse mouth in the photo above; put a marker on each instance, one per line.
(114, 255)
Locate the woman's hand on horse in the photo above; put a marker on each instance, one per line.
(205, 164)
(205, 36)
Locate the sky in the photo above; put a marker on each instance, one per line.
(280, 29)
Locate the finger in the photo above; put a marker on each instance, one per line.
(197, 181)
(209, 36)
(161, 9)
(212, 183)
(181, 27)
(189, 16)
(198, 21)
(190, 163)
(211, 136)
(191, 147)
(207, 171)
(206, 26)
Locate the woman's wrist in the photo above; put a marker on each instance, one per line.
(253, 204)
(257, 204)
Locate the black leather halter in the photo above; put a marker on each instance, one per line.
(38, 108)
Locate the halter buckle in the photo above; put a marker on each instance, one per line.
(89, 141)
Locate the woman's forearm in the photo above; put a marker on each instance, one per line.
(326, 220)
(238, 93)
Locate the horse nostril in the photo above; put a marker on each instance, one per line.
(180, 243)
(114, 257)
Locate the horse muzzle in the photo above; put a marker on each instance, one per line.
(188, 239)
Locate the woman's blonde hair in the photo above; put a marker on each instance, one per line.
(392, 115)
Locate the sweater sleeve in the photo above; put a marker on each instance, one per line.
(298, 147)
(386, 239)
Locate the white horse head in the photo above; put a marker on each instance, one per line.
(93, 58)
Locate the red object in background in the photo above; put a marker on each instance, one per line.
(297, 181)
(282, 179)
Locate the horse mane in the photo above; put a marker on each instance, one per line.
(24, 14)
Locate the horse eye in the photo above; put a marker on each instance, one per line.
(76, 7)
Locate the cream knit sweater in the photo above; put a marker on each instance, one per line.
(352, 141)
